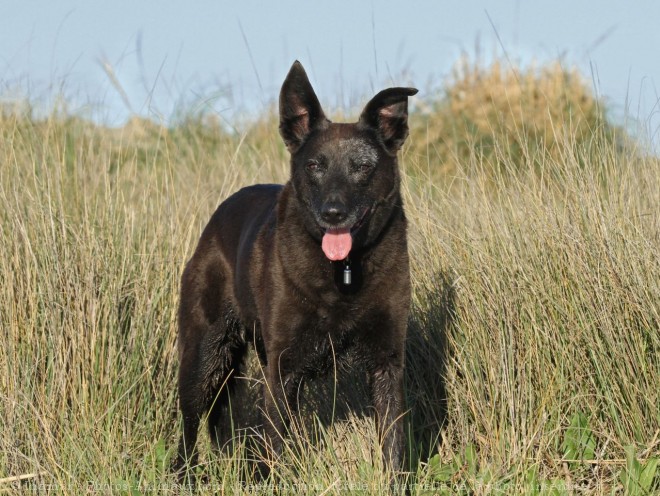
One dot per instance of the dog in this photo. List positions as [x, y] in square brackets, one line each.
[309, 272]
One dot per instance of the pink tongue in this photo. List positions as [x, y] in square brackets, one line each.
[337, 243]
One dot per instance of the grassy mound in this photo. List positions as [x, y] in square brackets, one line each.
[507, 116]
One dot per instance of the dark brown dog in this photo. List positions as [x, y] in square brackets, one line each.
[309, 271]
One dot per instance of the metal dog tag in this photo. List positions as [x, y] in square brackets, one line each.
[347, 275]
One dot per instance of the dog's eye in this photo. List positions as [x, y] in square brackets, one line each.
[364, 167]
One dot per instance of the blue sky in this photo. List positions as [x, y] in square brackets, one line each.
[231, 57]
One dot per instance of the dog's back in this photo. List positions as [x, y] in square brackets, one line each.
[221, 262]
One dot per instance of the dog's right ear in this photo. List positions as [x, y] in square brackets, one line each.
[300, 110]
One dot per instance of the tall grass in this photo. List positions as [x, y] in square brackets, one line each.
[533, 350]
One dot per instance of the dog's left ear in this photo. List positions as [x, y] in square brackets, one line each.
[387, 113]
[300, 110]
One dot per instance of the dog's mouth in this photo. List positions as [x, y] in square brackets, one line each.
[338, 241]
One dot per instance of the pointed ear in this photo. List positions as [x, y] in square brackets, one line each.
[300, 110]
[387, 113]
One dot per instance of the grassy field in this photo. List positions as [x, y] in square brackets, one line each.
[534, 343]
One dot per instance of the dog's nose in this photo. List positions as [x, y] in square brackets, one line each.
[333, 212]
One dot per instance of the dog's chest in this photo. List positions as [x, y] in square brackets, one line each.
[326, 342]
[329, 312]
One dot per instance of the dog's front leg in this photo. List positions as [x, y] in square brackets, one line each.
[386, 383]
[281, 404]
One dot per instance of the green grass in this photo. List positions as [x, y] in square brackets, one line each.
[534, 343]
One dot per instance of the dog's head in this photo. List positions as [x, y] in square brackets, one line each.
[345, 176]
